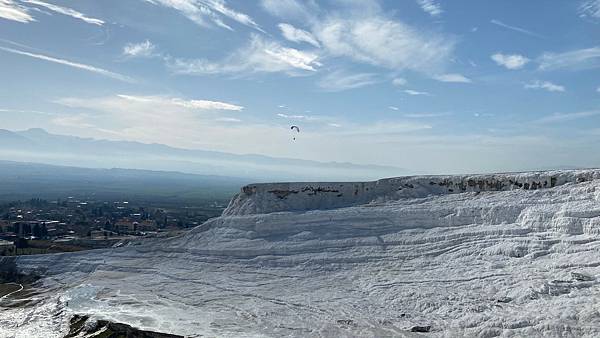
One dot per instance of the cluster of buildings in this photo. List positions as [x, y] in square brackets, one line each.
[75, 221]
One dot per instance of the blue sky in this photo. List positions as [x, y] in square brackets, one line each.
[430, 86]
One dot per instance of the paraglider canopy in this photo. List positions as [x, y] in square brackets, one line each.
[296, 129]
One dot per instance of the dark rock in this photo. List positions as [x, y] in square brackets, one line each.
[345, 321]
[420, 329]
[581, 277]
[283, 194]
[106, 329]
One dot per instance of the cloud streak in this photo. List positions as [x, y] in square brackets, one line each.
[452, 77]
[288, 9]
[228, 119]
[416, 92]
[66, 11]
[340, 81]
[259, 55]
[590, 8]
[425, 115]
[72, 64]
[576, 59]
[10, 10]
[516, 29]
[545, 85]
[563, 117]
[178, 102]
[300, 117]
[294, 34]
[430, 7]
[205, 12]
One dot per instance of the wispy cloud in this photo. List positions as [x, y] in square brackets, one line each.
[425, 115]
[178, 102]
[453, 77]
[141, 49]
[205, 12]
[289, 9]
[415, 92]
[375, 39]
[394, 108]
[576, 59]
[399, 81]
[362, 32]
[590, 8]
[66, 11]
[431, 7]
[162, 118]
[294, 34]
[12, 11]
[25, 111]
[545, 85]
[73, 121]
[88, 68]
[259, 55]
[510, 61]
[515, 28]
[300, 117]
[562, 117]
[341, 80]
[384, 128]
[228, 119]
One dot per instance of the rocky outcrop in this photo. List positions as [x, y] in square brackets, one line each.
[84, 327]
[276, 197]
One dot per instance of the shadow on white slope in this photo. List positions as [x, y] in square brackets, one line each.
[486, 256]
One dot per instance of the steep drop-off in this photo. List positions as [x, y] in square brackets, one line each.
[273, 197]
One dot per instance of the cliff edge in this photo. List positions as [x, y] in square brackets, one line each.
[302, 196]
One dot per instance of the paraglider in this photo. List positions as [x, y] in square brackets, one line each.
[296, 129]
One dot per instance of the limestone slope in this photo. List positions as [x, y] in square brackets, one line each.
[499, 255]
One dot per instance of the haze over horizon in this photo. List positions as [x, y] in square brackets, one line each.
[425, 85]
[38, 146]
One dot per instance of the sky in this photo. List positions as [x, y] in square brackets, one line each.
[427, 85]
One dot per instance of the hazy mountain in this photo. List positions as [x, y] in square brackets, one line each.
[37, 145]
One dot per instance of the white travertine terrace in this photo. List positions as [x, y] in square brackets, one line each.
[509, 255]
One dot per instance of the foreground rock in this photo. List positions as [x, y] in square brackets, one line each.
[493, 259]
[83, 327]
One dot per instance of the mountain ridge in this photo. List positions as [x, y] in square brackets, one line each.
[28, 143]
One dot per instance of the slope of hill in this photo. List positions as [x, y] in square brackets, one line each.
[498, 259]
[37, 145]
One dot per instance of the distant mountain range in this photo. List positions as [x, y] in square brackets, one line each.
[39, 146]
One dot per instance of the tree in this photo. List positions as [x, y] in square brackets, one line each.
[21, 243]
[40, 231]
